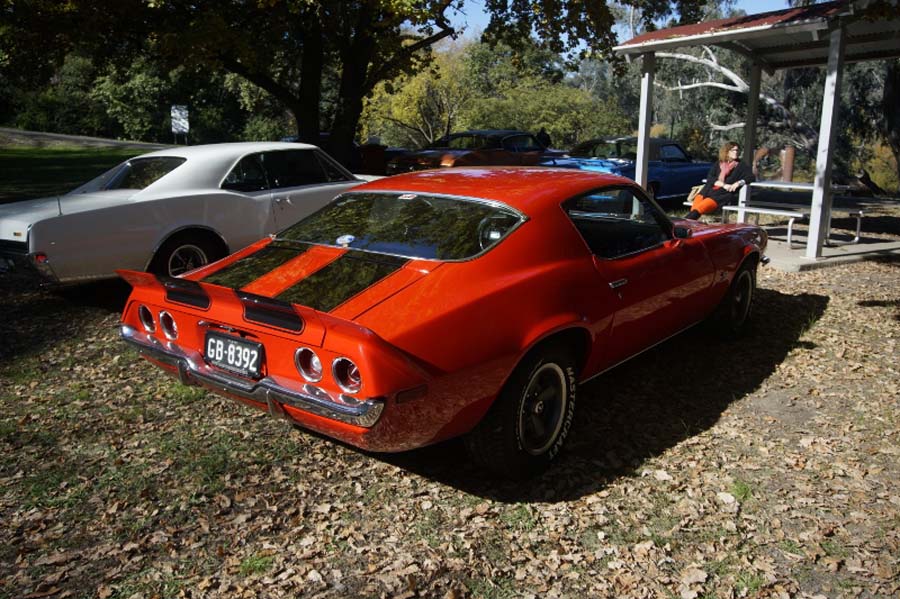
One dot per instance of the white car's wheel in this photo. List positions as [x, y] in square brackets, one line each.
[182, 254]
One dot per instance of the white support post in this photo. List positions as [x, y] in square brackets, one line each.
[648, 69]
[743, 197]
[820, 217]
[752, 114]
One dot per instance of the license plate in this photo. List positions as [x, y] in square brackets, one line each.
[234, 354]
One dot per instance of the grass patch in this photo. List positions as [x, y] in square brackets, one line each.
[791, 547]
[519, 517]
[256, 564]
[38, 172]
[741, 490]
[185, 394]
[485, 588]
[203, 461]
[749, 584]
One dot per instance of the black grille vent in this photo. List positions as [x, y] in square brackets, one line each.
[15, 247]
[182, 291]
[268, 311]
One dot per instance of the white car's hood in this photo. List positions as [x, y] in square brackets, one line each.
[16, 217]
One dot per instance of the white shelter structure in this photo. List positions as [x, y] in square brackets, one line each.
[830, 34]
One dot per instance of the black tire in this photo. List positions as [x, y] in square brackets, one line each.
[528, 424]
[184, 252]
[732, 316]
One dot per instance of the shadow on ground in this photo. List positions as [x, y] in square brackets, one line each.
[644, 407]
[33, 320]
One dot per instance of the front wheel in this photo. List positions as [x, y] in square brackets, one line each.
[527, 425]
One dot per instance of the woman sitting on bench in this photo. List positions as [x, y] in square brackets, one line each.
[724, 180]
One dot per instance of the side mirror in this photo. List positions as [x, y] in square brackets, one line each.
[682, 232]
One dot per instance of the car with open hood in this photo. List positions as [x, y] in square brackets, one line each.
[456, 302]
[168, 211]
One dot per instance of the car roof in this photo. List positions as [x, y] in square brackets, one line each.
[234, 149]
[525, 188]
[206, 165]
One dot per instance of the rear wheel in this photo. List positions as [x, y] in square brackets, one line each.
[527, 425]
[183, 253]
[732, 316]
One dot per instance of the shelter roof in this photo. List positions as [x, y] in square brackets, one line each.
[793, 37]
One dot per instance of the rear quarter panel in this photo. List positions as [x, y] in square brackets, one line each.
[469, 323]
[92, 244]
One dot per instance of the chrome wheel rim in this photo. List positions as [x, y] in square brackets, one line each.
[185, 258]
[542, 409]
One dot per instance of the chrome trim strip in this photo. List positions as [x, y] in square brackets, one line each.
[192, 370]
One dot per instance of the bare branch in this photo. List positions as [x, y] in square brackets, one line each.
[682, 87]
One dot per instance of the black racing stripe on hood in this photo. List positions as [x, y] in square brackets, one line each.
[249, 268]
[335, 283]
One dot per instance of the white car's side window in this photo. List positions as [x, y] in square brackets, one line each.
[247, 175]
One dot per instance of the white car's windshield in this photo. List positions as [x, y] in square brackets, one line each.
[136, 173]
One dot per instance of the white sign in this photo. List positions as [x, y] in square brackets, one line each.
[179, 119]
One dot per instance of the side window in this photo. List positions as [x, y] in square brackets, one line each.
[247, 175]
[617, 222]
[521, 143]
[293, 168]
[465, 142]
[332, 170]
[673, 153]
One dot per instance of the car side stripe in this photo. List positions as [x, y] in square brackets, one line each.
[335, 283]
[246, 270]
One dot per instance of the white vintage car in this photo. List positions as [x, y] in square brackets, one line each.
[168, 211]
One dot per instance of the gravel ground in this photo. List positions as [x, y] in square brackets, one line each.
[766, 467]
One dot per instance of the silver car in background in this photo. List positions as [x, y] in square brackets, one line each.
[168, 211]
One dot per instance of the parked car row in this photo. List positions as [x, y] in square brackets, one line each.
[671, 170]
[404, 311]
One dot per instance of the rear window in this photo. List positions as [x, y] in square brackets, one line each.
[409, 225]
[141, 172]
[137, 173]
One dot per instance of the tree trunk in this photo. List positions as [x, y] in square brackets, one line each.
[356, 53]
[311, 66]
[891, 104]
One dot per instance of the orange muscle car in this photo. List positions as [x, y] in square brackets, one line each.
[425, 306]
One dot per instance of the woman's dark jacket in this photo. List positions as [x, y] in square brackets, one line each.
[722, 197]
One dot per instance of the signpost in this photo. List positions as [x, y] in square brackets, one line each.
[180, 121]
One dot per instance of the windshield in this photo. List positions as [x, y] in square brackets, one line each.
[137, 173]
[409, 225]
[616, 148]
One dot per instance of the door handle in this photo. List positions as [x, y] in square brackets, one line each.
[283, 200]
[618, 283]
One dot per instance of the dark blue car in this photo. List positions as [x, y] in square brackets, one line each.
[671, 171]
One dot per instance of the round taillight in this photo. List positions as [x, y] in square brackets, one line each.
[308, 364]
[347, 375]
[146, 317]
[168, 326]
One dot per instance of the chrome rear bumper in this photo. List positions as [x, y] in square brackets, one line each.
[193, 370]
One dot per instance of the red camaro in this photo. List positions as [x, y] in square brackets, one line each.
[467, 302]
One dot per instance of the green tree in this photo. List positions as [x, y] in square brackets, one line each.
[415, 110]
[286, 46]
